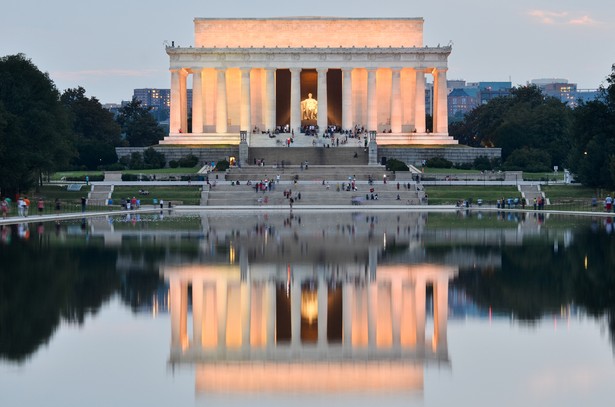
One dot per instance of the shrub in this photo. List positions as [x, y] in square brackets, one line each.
[222, 165]
[113, 167]
[528, 159]
[482, 163]
[396, 165]
[173, 164]
[130, 177]
[153, 158]
[439, 162]
[188, 161]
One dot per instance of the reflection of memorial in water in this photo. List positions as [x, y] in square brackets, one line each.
[308, 328]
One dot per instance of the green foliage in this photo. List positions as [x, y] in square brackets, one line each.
[483, 163]
[222, 165]
[173, 164]
[139, 127]
[153, 159]
[188, 161]
[35, 135]
[528, 159]
[130, 177]
[525, 119]
[439, 162]
[592, 157]
[396, 165]
[96, 132]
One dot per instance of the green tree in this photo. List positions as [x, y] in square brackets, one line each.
[592, 157]
[525, 119]
[35, 135]
[139, 127]
[96, 132]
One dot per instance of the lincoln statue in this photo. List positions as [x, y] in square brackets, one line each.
[309, 108]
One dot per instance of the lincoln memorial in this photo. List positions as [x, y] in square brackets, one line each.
[292, 74]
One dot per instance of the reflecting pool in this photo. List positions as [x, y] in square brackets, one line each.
[232, 309]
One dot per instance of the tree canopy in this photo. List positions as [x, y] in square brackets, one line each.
[96, 131]
[139, 127]
[35, 135]
[592, 156]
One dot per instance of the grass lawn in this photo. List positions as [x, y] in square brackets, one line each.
[441, 195]
[187, 195]
[81, 174]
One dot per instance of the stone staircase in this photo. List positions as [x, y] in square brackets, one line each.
[529, 192]
[314, 193]
[313, 155]
[100, 194]
[313, 173]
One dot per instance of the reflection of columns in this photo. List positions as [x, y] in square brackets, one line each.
[372, 307]
[322, 118]
[197, 100]
[270, 114]
[347, 99]
[440, 314]
[419, 111]
[221, 297]
[372, 259]
[271, 313]
[347, 314]
[183, 98]
[295, 99]
[246, 302]
[419, 298]
[210, 316]
[221, 115]
[440, 95]
[245, 110]
[322, 311]
[295, 312]
[396, 101]
[175, 113]
[372, 112]
[179, 313]
[197, 313]
[396, 304]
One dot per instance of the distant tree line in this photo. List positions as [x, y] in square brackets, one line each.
[43, 130]
[537, 132]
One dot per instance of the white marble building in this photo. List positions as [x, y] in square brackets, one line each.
[252, 74]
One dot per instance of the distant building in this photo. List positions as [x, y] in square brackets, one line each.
[159, 100]
[564, 91]
[464, 97]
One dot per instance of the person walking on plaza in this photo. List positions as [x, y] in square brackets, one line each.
[83, 203]
[608, 203]
[26, 206]
[4, 207]
[40, 205]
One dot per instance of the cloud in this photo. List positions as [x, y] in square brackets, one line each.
[103, 73]
[561, 18]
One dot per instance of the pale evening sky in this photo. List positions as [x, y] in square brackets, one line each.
[111, 47]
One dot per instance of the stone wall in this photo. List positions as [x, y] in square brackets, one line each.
[204, 154]
[457, 155]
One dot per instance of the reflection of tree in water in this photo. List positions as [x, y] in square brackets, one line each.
[41, 287]
[44, 284]
[536, 280]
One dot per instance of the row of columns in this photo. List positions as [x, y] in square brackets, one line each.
[179, 116]
[240, 314]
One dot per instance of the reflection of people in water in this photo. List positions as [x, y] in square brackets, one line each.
[309, 108]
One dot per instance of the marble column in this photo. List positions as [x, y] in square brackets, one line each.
[183, 99]
[441, 113]
[179, 313]
[372, 312]
[175, 113]
[419, 301]
[246, 301]
[322, 118]
[347, 98]
[221, 307]
[197, 100]
[245, 111]
[271, 313]
[347, 291]
[396, 100]
[270, 107]
[221, 109]
[419, 111]
[372, 103]
[295, 99]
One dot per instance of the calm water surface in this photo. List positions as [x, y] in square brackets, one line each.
[362, 308]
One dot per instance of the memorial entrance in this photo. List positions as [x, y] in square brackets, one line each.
[297, 75]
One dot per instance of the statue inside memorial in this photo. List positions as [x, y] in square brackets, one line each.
[309, 108]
